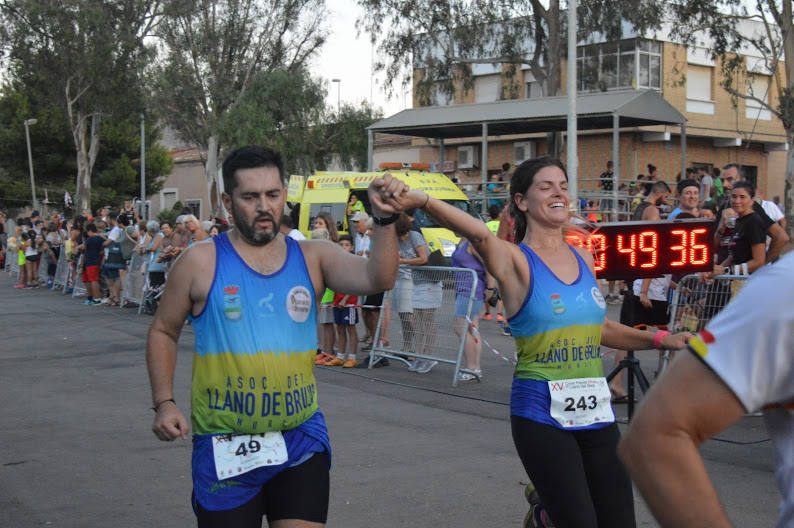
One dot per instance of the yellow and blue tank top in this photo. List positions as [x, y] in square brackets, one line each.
[557, 332]
[256, 339]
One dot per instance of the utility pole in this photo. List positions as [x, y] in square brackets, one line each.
[144, 213]
[34, 202]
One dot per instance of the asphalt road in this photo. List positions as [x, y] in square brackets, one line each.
[409, 450]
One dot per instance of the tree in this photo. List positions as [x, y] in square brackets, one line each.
[117, 167]
[442, 39]
[284, 110]
[86, 54]
[720, 20]
[287, 111]
[211, 51]
[345, 135]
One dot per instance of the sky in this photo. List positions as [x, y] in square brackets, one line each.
[348, 58]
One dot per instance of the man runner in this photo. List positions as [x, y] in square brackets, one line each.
[742, 362]
[260, 445]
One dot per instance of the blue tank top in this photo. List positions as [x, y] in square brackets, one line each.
[558, 336]
[256, 340]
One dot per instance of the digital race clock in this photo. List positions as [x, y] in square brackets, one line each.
[635, 250]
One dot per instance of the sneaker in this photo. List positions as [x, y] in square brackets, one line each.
[350, 363]
[88, 302]
[96, 302]
[426, 367]
[506, 330]
[500, 318]
[19, 286]
[486, 317]
[321, 358]
[465, 376]
[334, 362]
[536, 517]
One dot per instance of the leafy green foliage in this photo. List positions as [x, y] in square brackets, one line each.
[52, 149]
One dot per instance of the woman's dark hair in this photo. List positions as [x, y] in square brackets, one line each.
[250, 157]
[123, 220]
[522, 179]
[745, 185]
[682, 216]
[402, 225]
[651, 168]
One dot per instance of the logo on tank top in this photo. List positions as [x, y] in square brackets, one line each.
[299, 304]
[232, 306]
[598, 298]
[557, 305]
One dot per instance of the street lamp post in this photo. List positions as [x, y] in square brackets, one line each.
[29, 122]
[338, 94]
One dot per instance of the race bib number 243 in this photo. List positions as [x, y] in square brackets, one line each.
[581, 402]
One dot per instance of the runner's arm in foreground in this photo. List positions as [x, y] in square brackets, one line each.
[341, 271]
[682, 410]
[180, 296]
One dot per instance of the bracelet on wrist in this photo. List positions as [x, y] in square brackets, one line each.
[387, 220]
[156, 407]
[427, 200]
[658, 336]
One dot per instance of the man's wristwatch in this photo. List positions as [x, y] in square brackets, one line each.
[386, 220]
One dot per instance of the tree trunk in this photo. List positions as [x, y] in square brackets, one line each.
[788, 188]
[554, 80]
[211, 173]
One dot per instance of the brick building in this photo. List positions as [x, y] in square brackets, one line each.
[720, 130]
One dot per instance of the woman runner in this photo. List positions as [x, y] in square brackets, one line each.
[562, 421]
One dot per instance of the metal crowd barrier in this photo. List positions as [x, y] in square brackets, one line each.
[78, 288]
[12, 264]
[134, 281]
[422, 316]
[62, 269]
[697, 300]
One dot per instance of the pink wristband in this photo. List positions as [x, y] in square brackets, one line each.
[658, 336]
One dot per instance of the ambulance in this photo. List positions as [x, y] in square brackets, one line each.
[330, 192]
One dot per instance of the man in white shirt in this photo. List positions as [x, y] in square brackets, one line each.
[287, 229]
[743, 361]
[706, 183]
[362, 242]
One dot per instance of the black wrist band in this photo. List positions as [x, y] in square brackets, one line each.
[386, 220]
[157, 407]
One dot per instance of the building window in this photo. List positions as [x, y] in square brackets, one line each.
[168, 197]
[532, 90]
[487, 88]
[195, 207]
[626, 64]
[698, 90]
[758, 86]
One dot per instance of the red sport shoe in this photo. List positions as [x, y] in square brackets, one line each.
[500, 318]
[486, 317]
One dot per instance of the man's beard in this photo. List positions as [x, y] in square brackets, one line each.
[249, 232]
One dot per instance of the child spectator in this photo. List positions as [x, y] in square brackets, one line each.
[22, 241]
[346, 318]
[92, 258]
[31, 259]
[325, 316]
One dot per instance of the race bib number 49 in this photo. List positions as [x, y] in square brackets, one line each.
[581, 402]
[238, 454]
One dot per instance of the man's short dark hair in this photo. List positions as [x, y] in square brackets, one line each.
[91, 228]
[250, 157]
[609, 164]
[660, 187]
[123, 220]
[505, 167]
[683, 184]
[739, 170]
